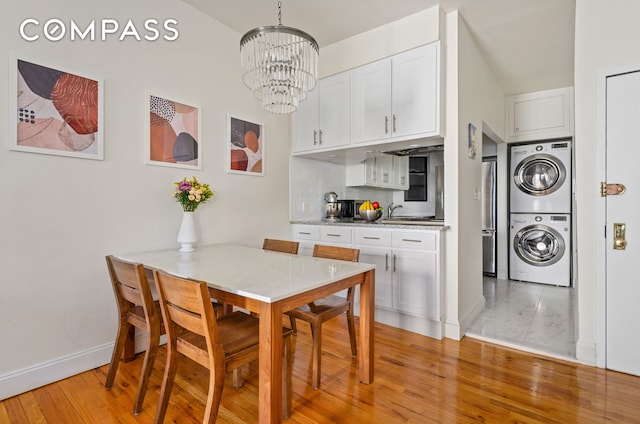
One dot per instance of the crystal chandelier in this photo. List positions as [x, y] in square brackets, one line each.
[279, 64]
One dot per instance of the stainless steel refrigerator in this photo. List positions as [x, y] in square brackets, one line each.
[489, 216]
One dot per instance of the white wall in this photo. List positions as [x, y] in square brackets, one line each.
[404, 34]
[606, 37]
[473, 96]
[61, 216]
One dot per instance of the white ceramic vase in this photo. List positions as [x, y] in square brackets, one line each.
[188, 234]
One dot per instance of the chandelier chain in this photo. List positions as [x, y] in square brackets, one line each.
[279, 13]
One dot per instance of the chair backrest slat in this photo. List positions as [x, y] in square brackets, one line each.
[185, 319]
[284, 246]
[338, 253]
[131, 286]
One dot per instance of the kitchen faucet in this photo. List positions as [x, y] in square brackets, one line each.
[392, 208]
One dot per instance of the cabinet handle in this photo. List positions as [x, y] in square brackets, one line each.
[315, 137]
[386, 262]
[334, 235]
[319, 136]
[371, 238]
[394, 263]
[412, 240]
[386, 124]
[394, 122]
[403, 180]
[305, 233]
[385, 177]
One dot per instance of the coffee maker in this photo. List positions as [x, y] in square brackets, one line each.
[331, 207]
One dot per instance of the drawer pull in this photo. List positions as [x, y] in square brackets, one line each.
[304, 232]
[371, 238]
[333, 235]
[412, 240]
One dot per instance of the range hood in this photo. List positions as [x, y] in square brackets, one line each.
[416, 151]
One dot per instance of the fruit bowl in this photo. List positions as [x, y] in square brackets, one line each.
[370, 215]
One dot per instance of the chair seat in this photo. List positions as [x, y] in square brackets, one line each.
[229, 326]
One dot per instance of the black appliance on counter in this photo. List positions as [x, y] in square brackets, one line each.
[350, 209]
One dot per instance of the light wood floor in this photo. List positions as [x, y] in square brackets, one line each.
[417, 380]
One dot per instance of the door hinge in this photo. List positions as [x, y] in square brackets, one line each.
[611, 189]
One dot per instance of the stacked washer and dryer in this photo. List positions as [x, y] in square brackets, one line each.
[540, 213]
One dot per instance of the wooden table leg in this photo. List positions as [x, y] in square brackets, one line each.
[367, 310]
[270, 378]
[129, 351]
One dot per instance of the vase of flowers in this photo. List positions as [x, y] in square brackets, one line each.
[190, 194]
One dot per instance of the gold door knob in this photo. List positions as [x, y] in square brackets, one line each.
[619, 239]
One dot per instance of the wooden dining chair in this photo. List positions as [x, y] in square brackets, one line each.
[321, 310]
[219, 345]
[136, 308]
[284, 246]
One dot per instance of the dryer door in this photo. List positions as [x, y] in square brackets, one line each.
[539, 174]
[539, 245]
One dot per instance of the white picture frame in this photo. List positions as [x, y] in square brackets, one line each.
[245, 146]
[55, 110]
[173, 132]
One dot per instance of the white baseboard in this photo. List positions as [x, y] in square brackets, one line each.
[471, 315]
[452, 330]
[457, 330]
[20, 381]
[586, 353]
[26, 379]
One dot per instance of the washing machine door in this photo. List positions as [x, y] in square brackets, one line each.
[539, 174]
[539, 245]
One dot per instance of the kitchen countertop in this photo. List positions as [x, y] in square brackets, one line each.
[428, 225]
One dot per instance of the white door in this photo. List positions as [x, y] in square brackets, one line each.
[622, 281]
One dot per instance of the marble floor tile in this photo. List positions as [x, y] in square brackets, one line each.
[528, 315]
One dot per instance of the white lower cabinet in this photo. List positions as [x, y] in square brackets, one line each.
[408, 283]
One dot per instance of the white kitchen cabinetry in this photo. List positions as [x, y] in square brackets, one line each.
[397, 97]
[323, 120]
[408, 281]
[309, 235]
[416, 273]
[401, 172]
[383, 171]
[540, 115]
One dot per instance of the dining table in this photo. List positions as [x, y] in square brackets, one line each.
[268, 284]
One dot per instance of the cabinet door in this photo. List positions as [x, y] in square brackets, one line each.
[416, 283]
[334, 108]
[384, 171]
[543, 114]
[371, 102]
[416, 94]
[380, 257]
[401, 172]
[304, 123]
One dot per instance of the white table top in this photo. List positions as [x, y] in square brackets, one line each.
[250, 272]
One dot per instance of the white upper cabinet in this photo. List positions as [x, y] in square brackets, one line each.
[382, 171]
[322, 120]
[398, 97]
[371, 101]
[540, 115]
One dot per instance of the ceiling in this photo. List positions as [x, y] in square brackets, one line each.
[529, 44]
